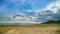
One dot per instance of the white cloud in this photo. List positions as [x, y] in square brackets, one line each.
[50, 12]
[29, 10]
[54, 8]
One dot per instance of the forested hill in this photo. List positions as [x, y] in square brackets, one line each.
[52, 22]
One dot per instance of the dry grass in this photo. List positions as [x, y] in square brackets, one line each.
[33, 29]
[57, 31]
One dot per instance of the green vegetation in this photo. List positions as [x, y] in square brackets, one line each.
[52, 22]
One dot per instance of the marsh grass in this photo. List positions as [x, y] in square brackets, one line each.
[32, 29]
[57, 31]
[1, 32]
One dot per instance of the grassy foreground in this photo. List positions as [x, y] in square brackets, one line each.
[32, 29]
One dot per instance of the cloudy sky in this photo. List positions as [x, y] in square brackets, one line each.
[29, 11]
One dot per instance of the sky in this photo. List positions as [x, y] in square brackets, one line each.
[13, 6]
[32, 11]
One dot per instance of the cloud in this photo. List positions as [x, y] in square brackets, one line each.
[54, 8]
[50, 12]
[22, 17]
